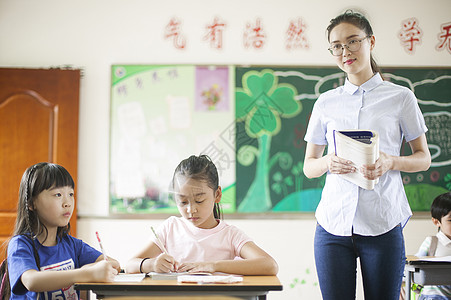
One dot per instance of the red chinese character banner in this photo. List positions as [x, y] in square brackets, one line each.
[255, 37]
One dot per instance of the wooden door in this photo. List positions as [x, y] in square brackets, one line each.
[38, 122]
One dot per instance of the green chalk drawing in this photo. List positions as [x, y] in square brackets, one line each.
[421, 195]
[448, 181]
[261, 104]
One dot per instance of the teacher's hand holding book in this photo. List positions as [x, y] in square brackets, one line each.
[338, 165]
[374, 171]
[361, 149]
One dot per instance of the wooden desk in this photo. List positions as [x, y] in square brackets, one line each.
[426, 273]
[252, 287]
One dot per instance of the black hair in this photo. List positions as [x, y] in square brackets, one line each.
[5, 289]
[358, 20]
[441, 206]
[200, 168]
[37, 178]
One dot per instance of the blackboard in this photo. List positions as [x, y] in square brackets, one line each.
[256, 131]
[285, 188]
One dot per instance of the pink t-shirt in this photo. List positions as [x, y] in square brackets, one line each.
[188, 243]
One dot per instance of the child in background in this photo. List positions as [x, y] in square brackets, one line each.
[438, 245]
[199, 241]
[41, 241]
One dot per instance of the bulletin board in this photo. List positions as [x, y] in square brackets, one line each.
[161, 115]
[251, 121]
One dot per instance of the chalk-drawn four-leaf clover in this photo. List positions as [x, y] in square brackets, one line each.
[262, 101]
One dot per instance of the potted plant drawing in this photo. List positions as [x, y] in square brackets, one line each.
[260, 104]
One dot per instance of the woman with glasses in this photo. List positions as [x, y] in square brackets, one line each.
[354, 222]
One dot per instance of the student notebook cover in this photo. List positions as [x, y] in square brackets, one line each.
[362, 148]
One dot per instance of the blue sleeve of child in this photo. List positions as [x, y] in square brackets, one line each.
[20, 259]
[85, 253]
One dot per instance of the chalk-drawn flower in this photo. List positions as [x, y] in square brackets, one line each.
[262, 101]
[260, 104]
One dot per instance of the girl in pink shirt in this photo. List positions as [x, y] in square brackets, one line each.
[199, 241]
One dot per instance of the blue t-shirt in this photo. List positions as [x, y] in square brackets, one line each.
[69, 253]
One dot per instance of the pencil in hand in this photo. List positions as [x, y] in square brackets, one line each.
[101, 247]
[159, 242]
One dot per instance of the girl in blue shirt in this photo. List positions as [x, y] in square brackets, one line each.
[41, 241]
[354, 222]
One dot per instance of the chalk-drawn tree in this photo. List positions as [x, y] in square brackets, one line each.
[260, 104]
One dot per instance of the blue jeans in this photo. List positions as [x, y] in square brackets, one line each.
[382, 261]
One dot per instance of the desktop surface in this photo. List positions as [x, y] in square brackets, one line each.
[251, 286]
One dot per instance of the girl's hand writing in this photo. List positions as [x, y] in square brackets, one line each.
[382, 165]
[115, 264]
[102, 271]
[165, 263]
[337, 165]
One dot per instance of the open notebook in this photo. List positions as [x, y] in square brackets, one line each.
[210, 279]
[173, 275]
[199, 277]
[122, 277]
[439, 259]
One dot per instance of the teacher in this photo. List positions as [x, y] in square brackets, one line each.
[354, 222]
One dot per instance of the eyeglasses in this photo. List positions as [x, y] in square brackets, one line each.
[352, 45]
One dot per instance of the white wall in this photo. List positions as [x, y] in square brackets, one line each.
[94, 34]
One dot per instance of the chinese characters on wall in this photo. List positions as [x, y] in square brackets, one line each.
[255, 37]
[411, 36]
[445, 37]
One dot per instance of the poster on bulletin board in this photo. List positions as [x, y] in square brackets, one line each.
[251, 121]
